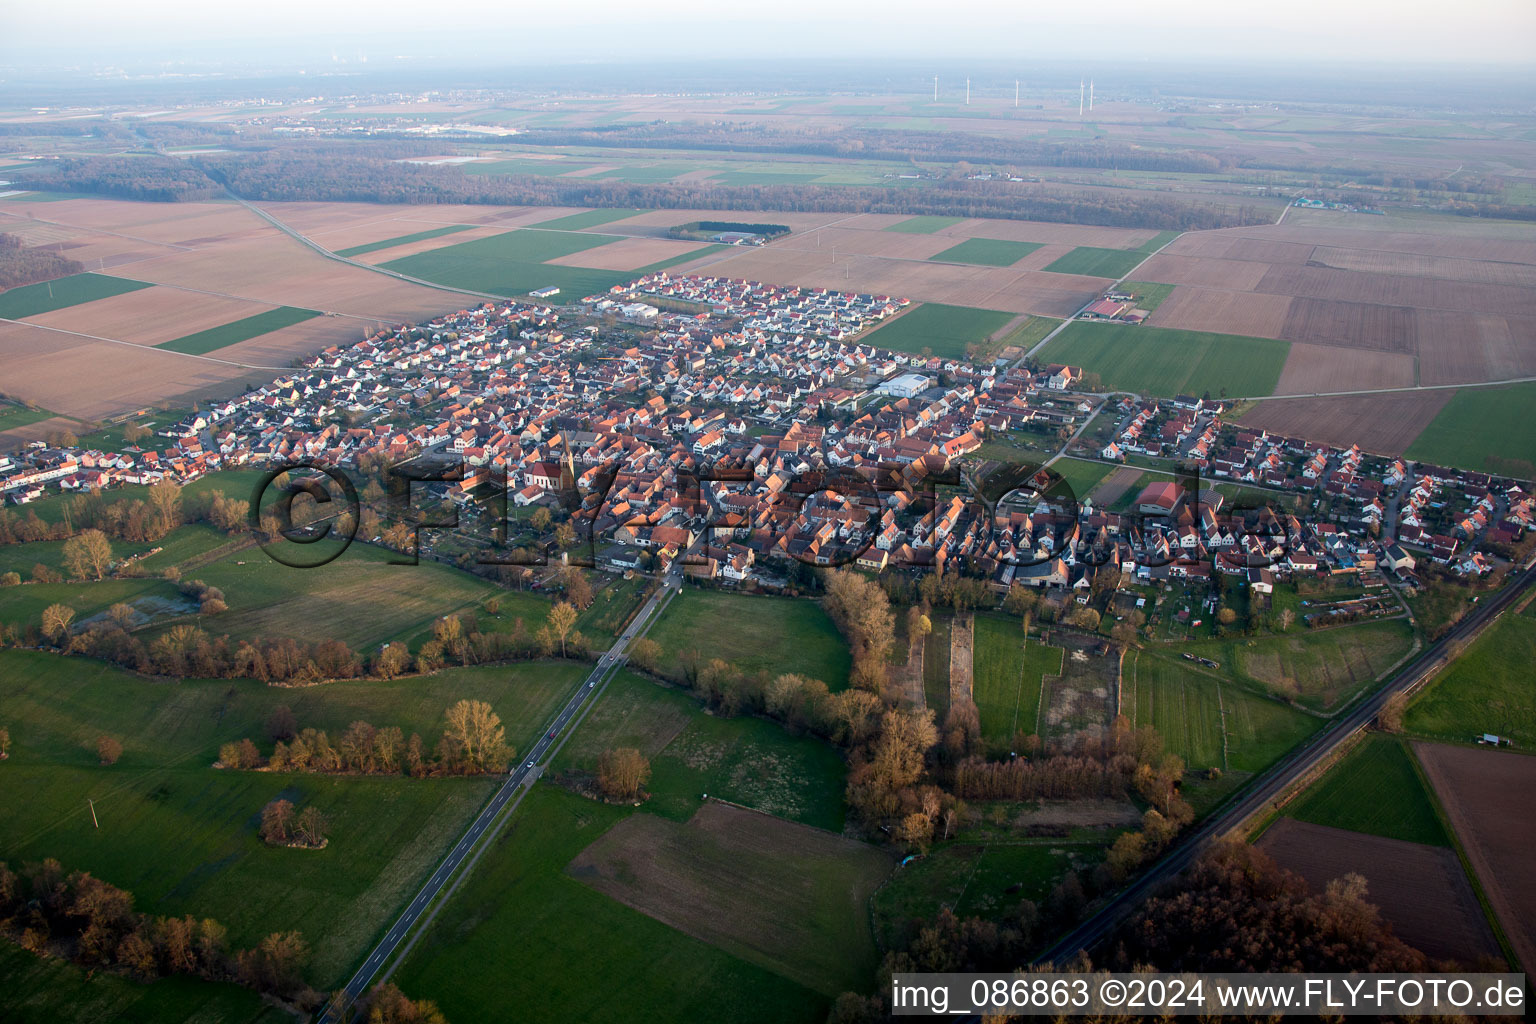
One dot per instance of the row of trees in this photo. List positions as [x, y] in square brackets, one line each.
[138, 520]
[187, 650]
[144, 177]
[94, 923]
[473, 742]
[285, 175]
[25, 264]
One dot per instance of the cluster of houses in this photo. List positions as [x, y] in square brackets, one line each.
[763, 428]
[1441, 513]
[779, 309]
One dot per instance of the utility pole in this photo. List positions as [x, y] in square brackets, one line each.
[94, 822]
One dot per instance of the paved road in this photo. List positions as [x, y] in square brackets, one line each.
[1296, 765]
[490, 819]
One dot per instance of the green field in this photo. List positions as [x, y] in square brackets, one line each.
[14, 416]
[1185, 707]
[32, 299]
[987, 252]
[513, 264]
[1091, 261]
[417, 236]
[1319, 669]
[1375, 789]
[181, 835]
[359, 598]
[48, 990]
[944, 330]
[523, 933]
[771, 635]
[1164, 361]
[1149, 295]
[924, 225]
[1489, 688]
[749, 761]
[1080, 475]
[1487, 429]
[1006, 679]
[973, 879]
[1029, 333]
[239, 330]
[590, 219]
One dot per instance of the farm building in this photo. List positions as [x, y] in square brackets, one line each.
[545, 292]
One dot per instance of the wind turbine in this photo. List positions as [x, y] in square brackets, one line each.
[1090, 95]
[1079, 97]
[935, 88]
[967, 92]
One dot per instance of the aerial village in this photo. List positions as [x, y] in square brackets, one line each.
[754, 432]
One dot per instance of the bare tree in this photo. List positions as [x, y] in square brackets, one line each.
[108, 749]
[476, 730]
[562, 619]
[5, 743]
[56, 620]
[621, 772]
[276, 820]
[88, 554]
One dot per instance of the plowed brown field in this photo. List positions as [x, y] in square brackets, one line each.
[1313, 368]
[1487, 795]
[1383, 424]
[150, 316]
[1421, 890]
[1351, 325]
[1225, 312]
[1236, 275]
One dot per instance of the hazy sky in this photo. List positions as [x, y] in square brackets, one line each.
[280, 31]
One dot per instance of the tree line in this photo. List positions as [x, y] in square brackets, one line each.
[161, 179]
[92, 923]
[26, 264]
[280, 176]
[474, 742]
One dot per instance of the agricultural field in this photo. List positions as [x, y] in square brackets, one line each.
[14, 417]
[237, 331]
[791, 899]
[359, 598]
[32, 299]
[1487, 689]
[1080, 475]
[1166, 362]
[1384, 424]
[974, 878]
[771, 635]
[1485, 429]
[924, 225]
[58, 992]
[1207, 724]
[989, 252]
[943, 330]
[1318, 669]
[754, 762]
[1149, 294]
[390, 243]
[1007, 679]
[1092, 261]
[522, 907]
[512, 263]
[1421, 890]
[1374, 789]
[589, 219]
[1485, 794]
[181, 835]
